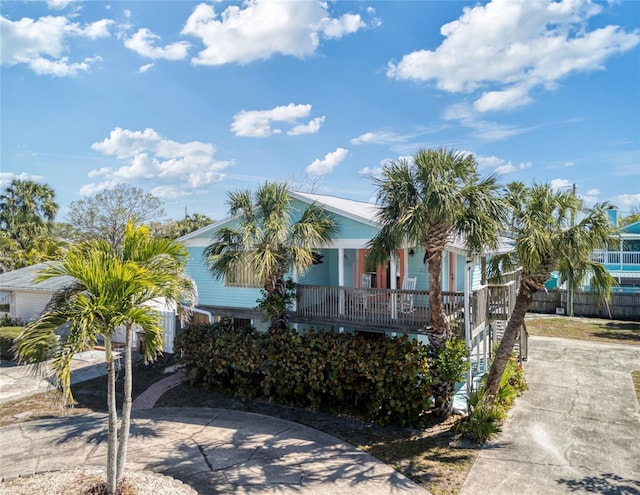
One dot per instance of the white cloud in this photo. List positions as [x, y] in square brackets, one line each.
[143, 41]
[150, 158]
[96, 187]
[258, 123]
[338, 27]
[506, 48]
[145, 68]
[482, 129]
[591, 197]
[42, 44]
[626, 200]
[258, 29]
[499, 165]
[328, 163]
[371, 171]
[58, 4]
[560, 184]
[6, 177]
[380, 137]
[312, 127]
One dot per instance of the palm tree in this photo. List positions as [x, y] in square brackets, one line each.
[423, 202]
[27, 210]
[268, 242]
[546, 240]
[111, 290]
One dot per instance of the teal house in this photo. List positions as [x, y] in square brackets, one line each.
[622, 256]
[339, 291]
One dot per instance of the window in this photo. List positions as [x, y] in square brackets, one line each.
[5, 302]
[242, 277]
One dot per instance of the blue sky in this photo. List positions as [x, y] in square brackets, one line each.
[189, 100]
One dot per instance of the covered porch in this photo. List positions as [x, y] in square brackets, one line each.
[382, 309]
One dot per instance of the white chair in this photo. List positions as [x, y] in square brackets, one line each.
[365, 283]
[405, 303]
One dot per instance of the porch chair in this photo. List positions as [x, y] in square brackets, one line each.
[405, 304]
[365, 283]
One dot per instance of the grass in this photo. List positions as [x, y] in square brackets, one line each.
[636, 383]
[609, 331]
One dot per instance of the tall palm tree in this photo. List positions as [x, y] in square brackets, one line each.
[546, 240]
[27, 210]
[111, 289]
[423, 202]
[269, 241]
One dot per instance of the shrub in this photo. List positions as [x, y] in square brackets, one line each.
[384, 380]
[483, 421]
[8, 335]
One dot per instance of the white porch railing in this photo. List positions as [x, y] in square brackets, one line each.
[621, 258]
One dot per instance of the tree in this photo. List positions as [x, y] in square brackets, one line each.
[173, 229]
[546, 240]
[27, 210]
[112, 289]
[423, 202]
[268, 242]
[106, 214]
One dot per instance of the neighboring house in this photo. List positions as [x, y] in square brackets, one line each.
[622, 258]
[340, 291]
[23, 298]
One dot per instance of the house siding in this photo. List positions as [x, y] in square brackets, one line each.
[29, 305]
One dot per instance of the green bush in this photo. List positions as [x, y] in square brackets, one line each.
[7, 338]
[384, 380]
[484, 421]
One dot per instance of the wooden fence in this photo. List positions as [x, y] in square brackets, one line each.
[622, 305]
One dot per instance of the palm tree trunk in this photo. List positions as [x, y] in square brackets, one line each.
[439, 332]
[112, 429]
[523, 302]
[437, 319]
[125, 421]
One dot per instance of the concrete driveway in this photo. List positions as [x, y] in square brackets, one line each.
[214, 451]
[576, 430]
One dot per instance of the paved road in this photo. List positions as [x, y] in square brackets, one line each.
[576, 430]
[212, 450]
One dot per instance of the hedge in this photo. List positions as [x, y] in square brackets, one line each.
[7, 336]
[385, 380]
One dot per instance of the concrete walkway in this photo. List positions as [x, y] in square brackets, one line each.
[576, 430]
[17, 382]
[212, 450]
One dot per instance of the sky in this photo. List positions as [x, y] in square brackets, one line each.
[191, 100]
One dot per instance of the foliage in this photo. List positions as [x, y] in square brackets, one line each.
[427, 199]
[279, 303]
[383, 379]
[173, 229]
[484, 418]
[113, 285]
[7, 337]
[547, 237]
[451, 361]
[27, 210]
[268, 241]
[106, 214]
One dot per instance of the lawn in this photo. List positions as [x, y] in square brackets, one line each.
[610, 331]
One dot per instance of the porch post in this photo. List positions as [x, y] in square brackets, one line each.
[341, 279]
[467, 322]
[294, 277]
[393, 285]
